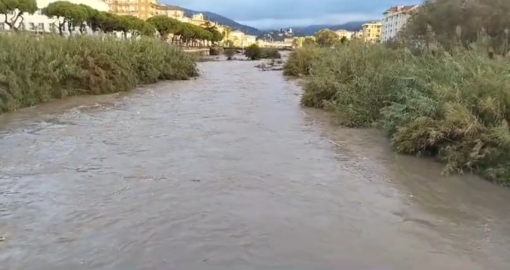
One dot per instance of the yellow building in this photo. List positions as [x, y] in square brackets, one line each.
[142, 9]
[237, 38]
[372, 32]
[249, 40]
[240, 39]
[344, 33]
[170, 11]
[198, 19]
[358, 34]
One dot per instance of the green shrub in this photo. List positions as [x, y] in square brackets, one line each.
[454, 106]
[254, 52]
[38, 69]
[270, 53]
[300, 61]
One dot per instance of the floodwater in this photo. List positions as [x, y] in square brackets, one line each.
[228, 172]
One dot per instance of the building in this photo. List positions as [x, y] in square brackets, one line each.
[344, 33]
[198, 19]
[170, 11]
[357, 34]
[394, 19]
[142, 9]
[371, 32]
[39, 22]
[237, 38]
[237, 34]
[249, 40]
[288, 40]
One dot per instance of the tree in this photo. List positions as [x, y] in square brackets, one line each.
[13, 11]
[70, 15]
[105, 21]
[452, 21]
[76, 18]
[143, 28]
[73, 17]
[165, 25]
[60, 10]
[217, 36]
[90, 15]
[343, 40]
[135, 26]
[326, 38]
[226, 33]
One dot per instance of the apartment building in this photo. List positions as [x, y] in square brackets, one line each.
[394, 19]
[38, 22]
[142, 9]
[371, 32]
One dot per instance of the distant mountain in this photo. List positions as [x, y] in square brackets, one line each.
[311, 29]
[224, 21]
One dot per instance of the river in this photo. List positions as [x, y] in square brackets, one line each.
[228, 172]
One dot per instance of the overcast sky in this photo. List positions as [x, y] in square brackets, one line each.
[282, 13]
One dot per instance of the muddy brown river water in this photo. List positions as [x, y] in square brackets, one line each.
[228, 172]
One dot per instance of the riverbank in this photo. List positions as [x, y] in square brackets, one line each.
[430, 102]
[36, 70]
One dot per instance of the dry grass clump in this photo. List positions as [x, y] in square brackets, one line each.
[452, 105]
[38, 69]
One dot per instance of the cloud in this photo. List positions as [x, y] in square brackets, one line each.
[280, 13]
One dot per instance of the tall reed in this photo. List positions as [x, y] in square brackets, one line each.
[453, 105]
[35, 69]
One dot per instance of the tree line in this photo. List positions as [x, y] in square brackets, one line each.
[79, 18]
[323, 38]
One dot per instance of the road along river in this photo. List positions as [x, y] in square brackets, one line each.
[228, 172]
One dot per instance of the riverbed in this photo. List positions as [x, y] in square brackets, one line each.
[228, 171]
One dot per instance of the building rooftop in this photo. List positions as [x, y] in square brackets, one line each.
[400, 9]
[373, 23]
[166, 7]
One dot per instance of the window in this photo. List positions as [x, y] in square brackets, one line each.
[2, 26]
[40, 27]
[31, 26]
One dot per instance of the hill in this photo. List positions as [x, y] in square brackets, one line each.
[224, 21]
[280, 34]
[311, 29]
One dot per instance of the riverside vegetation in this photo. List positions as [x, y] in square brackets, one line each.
[434, 91]
[38, 68]
[35, 70]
